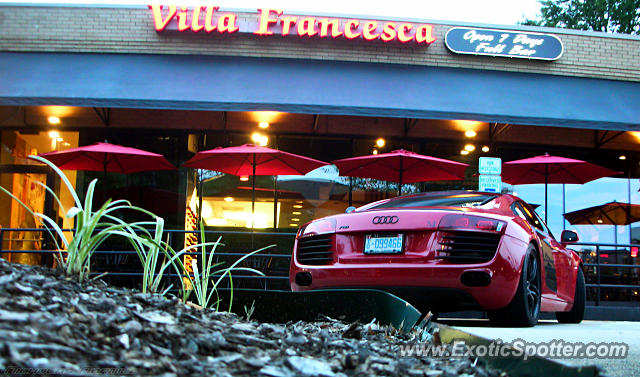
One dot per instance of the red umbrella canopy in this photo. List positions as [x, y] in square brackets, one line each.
[401, 166]
[552, 169]
[108, 158]
[244, 159]
[613, 213]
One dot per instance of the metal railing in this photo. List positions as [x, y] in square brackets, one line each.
[592, 255]
[281, 253]
[242, 242]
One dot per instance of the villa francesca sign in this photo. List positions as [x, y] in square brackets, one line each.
[208, 19]
[503, 43]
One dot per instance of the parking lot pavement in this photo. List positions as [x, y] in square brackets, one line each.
[585, 332]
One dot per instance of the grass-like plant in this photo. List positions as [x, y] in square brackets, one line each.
[202, 284]
[93, 227]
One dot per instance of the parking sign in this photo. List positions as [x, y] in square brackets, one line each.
[490, 165]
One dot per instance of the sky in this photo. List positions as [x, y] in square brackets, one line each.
[501, 12]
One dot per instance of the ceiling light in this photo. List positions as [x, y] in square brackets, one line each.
[228, 199]
[263, 125]
[470, 133]
[293, 225]
[375, 151]
[297, 206]
[464, 152]
[295, 219]
[622, 157]
[470, 147]
[54, 134]
[296, 213]
[485, 149]
[53, 120]
[259, 139]
[244, 178]
[380, 142]
[599, 221]
[59, 139]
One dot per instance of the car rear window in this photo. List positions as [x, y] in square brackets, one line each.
[456, 200]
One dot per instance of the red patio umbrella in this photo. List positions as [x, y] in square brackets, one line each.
[110, 158]
[250, 159]
[552, 169]
[401, 166]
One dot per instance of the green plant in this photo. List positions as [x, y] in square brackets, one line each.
[249, 311]
[201, 283]
[92, 227]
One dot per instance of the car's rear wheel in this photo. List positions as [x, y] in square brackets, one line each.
[576, 314]
[524, 308]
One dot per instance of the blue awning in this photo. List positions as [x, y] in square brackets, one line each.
[188, 82]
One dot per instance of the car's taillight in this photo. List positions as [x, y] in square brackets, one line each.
[322, 226]
[466, 222]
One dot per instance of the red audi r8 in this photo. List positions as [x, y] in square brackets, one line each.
[447, 251]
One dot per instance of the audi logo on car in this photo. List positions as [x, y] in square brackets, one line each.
[385, 220]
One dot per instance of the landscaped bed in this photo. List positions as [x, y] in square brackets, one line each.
[54, 325]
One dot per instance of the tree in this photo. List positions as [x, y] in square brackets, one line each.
[615, 16]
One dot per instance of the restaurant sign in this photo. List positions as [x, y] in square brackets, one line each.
[208, 19]
[509, 44]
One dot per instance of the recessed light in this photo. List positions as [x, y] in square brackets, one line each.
[295, 219]
[244, 178]
[228, 199]
[263, 125]
[297, 206]
[464, 152]
[53, 120]
[375, 151]
[293, 225]
[470, 133]
[485, 149]
[470, 147]
[380, 142]
[54, 134]
[296, 213]
[622, 157]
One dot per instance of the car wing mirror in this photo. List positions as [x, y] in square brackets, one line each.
[350, 209]
[569, 236]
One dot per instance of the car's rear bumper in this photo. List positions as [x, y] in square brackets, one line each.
[436, 286]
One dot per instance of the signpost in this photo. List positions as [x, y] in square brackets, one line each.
[490, 169]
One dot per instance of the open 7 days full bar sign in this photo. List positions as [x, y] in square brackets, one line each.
[208, 19]
[510, 44]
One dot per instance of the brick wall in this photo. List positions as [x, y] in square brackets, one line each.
[131, 30]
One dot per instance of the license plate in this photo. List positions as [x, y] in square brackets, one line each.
[387, 244]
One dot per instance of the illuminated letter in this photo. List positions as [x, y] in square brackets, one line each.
[368, 29]
[424, 34]
[182, 19]
[157, 16]
[402, 33]
[307, 26]
[208, 19]
[195, 21]
[265, 20]
[287, 22]
[348, 29]
[227, 23]
[325, 23]
[389, 32]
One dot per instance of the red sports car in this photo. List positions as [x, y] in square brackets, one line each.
[447, 251]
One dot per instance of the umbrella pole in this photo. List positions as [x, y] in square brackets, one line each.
[200, 195]
[400, 182]
[253, 199]
[275, 201]
[350, 191]
[546, 183]
[564, 221]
